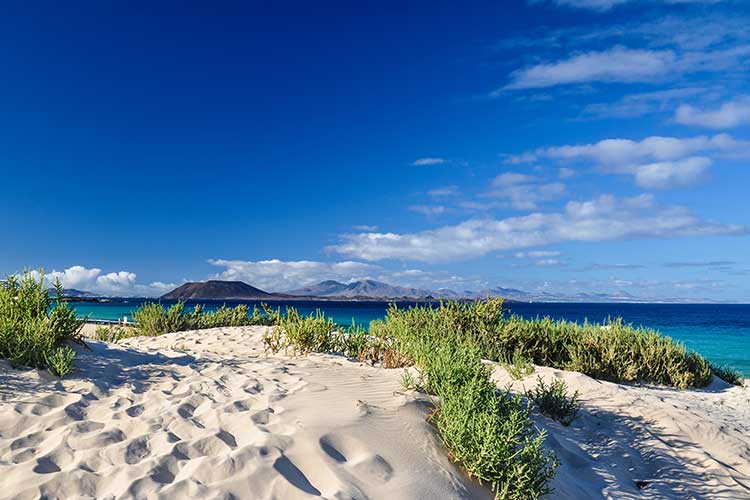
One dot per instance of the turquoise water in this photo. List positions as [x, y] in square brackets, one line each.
[721, 332]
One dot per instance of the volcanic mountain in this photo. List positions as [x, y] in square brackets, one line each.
[220, 290]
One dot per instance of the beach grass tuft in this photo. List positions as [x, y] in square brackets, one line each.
[112, 333]
[554, 401]
[518, 366]
[34, 327]
[728, 375]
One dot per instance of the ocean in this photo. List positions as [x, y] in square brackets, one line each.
[720, 332]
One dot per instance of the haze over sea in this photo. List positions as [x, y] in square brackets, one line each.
[720, 332]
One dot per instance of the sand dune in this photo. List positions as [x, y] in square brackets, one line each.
[208, 415]
[647, 442]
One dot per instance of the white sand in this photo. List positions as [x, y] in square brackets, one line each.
[208, 415]
[688, 444]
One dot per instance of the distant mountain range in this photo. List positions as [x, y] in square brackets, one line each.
[376, 290]
[365, 290]
[72, 293]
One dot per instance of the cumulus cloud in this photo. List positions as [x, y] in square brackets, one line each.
[121, 280]
[280, 275]
[428, 161]
[113, 283]
[625, 151]
[666, 174]
[604, 218]
[730, 114]
[524, 192]
[365, 227]
[654, 162]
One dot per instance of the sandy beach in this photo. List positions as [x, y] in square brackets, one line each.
[207, 414]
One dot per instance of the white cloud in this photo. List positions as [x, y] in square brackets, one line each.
[730, 114]
[537, 254]
[639, 104]
[667, 174]
[598, 5]
[122, 283]
[624, 65]
[602, 219]
[429, 210]
[548, 263]
[605, 5]
[428, 161]
[655, 161]
[365, 227]
[524, 192]
[118, 281]
[280, 275]
[77, 277]
[618, 64]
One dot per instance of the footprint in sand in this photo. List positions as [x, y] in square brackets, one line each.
[137, 450]
[357, 456]
[134, 411]
[45, 465]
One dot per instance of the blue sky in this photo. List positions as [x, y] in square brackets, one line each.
[560, 145]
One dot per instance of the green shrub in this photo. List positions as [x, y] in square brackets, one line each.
[34, 327]
[728, 374]
[153, 319]
[305, 334]
[354, 342]
[518, 366]
[613, 351]
[408, 381]
[554, 401]
[488, 433]
[112, 334]
[60, 361]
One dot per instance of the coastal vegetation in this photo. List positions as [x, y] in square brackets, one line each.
[615, 351]
[488, 432]
[729, 375]
[154, 319]
[554, 401]
[518, 366]
[34, 327]
[112, 333]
